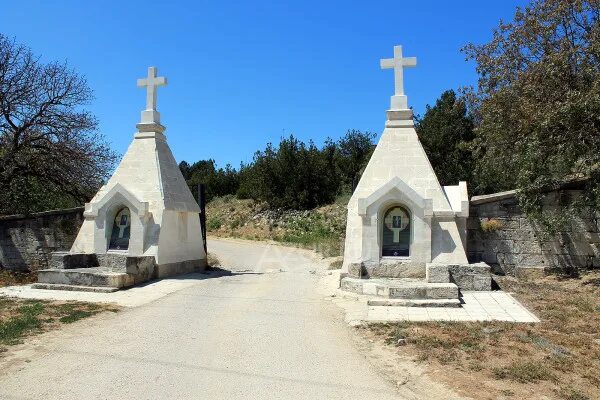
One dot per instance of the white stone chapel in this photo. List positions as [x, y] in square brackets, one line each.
[400, 219]
[144, 222]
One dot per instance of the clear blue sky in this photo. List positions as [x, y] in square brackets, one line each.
[242, 74]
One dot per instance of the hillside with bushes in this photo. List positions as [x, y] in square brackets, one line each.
[321, 228]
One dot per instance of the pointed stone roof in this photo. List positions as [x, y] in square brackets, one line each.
[149, 171]
[399, 155]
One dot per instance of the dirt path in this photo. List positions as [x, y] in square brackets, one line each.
[265, 332]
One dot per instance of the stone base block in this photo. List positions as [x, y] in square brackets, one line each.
[111, 270]
[179, 268]
[466, 276]
[86, 277]
[400, 288]
[471, 276]
[437, 273]
[387, 269]
[114, 261]
[142, 268]
[66, 260]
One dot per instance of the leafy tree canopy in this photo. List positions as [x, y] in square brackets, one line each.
[537, 104]
[218, 182]
[446, 130]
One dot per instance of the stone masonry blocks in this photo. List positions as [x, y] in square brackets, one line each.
[466, 276]
[517, 248]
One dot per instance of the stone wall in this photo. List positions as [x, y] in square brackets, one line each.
[27, 241]
[516, 246]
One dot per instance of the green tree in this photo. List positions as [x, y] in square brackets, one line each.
[353, 152]
[538, 103]
[446, 130]
[218, 182]
[293, 175]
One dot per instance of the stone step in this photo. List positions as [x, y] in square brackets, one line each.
[400, 288]
[116, 261]
[415, 302]
[94, 277]
[74, 288]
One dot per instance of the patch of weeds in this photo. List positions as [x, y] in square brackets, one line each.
[26, 321]
[556, 315]
[236, 223]
[4, 302]
[76, 315]
[572, 394]
[559, 362]
[213, 223]
[398, 333]
[475, 366]
[584, 304]
[330, 247]
[10, 278]
[507, 392]
[93, 306]
[524, 372]
[544, 343]
[448, 357]
[432, 342]
[66, 307]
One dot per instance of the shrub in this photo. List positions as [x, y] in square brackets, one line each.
[213, 223]
[524, 372]
[491, 225]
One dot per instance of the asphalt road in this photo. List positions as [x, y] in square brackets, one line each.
[264, 332]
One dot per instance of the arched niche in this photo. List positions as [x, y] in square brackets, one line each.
[120, 229]
[396, 231]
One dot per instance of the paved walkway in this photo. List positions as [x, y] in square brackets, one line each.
[262, 333]
[477, 306]
[132, 297]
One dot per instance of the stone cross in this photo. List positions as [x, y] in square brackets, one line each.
[398, 63]
[151, 83]
[121, 230]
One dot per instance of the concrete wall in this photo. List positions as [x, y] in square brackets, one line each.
[517, 247]
[27, 241]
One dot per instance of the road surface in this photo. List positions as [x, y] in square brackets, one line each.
[264, 332]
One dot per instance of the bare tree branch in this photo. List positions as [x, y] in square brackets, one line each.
[47, 141]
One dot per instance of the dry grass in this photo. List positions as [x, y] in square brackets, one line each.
[11, 278]
[491, 225]
[557, 358]
[21, 318]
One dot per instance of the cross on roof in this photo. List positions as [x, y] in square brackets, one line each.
[398, 63]
[151, 83]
